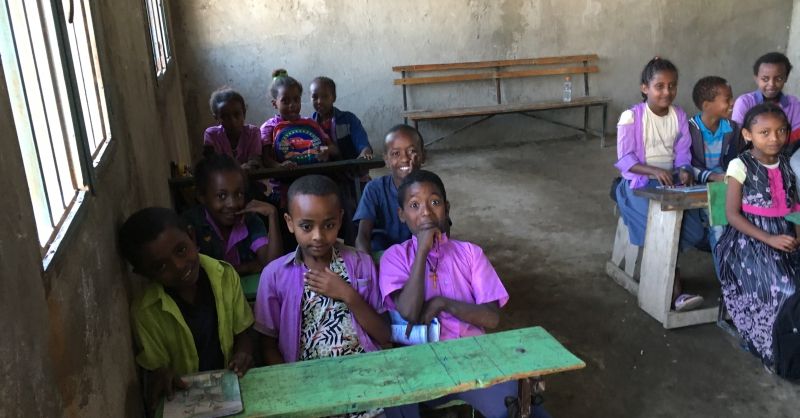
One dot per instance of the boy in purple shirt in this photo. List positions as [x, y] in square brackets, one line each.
[770, 73]
[431, 276]
[321, 300]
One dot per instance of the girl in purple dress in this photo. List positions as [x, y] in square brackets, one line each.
[758, 252]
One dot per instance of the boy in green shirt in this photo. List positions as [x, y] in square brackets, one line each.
[193, 315]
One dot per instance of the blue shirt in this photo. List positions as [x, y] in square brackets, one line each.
[713, 141]
[348, 133]
[379, 204]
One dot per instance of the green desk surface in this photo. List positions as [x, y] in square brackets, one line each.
[402, 375]
[250, 285]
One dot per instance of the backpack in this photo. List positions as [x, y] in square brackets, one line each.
[786, 339]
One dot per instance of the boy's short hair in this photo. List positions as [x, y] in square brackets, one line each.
[314, 185]
[213, 164]
[419, 176]
[773, 58]
[706, 89]
[326, 81]
[145, 226]
[222, 95]
[408, 130]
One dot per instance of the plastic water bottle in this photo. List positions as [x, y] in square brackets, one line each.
[567, 89]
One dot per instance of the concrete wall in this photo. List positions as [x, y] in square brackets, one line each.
[67, 348]
[357, 42]
[793, 51]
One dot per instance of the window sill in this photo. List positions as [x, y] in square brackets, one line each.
[65, 230]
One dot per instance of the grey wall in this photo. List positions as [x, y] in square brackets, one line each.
[66, 347]
[357, 42]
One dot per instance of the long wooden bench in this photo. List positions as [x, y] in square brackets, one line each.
[417, 75]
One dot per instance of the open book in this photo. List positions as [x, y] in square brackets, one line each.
[210, 394]
[420, 334]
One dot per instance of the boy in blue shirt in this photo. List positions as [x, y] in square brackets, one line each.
[379, 225]
[716, 139]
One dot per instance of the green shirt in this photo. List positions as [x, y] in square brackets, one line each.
[164, 339]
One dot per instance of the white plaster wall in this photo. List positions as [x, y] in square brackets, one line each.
[358, 41]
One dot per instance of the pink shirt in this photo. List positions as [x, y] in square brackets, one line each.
[249, 146]
[463, 272]
[280, 292]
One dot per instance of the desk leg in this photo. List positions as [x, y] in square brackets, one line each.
[524, 398]
[357, 186]
[658, 261]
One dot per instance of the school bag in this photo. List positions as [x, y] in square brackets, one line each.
[786, 339]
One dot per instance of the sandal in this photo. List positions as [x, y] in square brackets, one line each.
[686, 302]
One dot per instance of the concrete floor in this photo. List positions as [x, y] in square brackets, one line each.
[541, 211]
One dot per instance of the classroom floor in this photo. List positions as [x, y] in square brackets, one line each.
[537, 202]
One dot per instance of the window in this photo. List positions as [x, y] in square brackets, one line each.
[158, 35]
[58, 103]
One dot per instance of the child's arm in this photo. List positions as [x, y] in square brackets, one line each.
[364, 238]
[272, 355]
[485, 315]
[663, 176]
[733, 211]
[331, 285]
[274, 248]
[360, 138]
[242, 358]
[411, 297]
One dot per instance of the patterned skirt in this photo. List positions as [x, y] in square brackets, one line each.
[756, 279]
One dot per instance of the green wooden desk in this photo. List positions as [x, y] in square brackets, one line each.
[402, 375]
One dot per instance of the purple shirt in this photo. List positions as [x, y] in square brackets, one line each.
[463, 273]
[249, 146]
[278, 311]
[630, 145]
[267, 129]
[789, 104]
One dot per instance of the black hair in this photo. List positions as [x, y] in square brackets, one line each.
[326, 81]
[706, 89]
[773, 58]
[213, 164]
[282, 80]
[654, 66]
[419, 176]
[408, 130]
[145, 226]
[314, 185]
[222, 95]
[760, 109]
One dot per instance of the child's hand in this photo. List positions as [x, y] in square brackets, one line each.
[686, 177]
[782, 243]
[663, 176]
[432, 308]
[324, 154]
[262, 208]
[241, 363]
[330, 284]
[366, 154]
[289, 164]
[426, 238]
[163, 383]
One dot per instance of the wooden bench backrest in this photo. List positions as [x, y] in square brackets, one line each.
[575, 64]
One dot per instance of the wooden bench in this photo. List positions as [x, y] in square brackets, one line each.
[403, 375]
[497, 71]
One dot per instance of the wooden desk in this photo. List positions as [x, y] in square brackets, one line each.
[402, 375]
[659, 257]
[334, 167]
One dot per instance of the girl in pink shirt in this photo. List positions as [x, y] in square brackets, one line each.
[232, 136]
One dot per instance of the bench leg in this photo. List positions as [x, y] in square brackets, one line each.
[586, 122]
[603, 131]
[626, 252]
